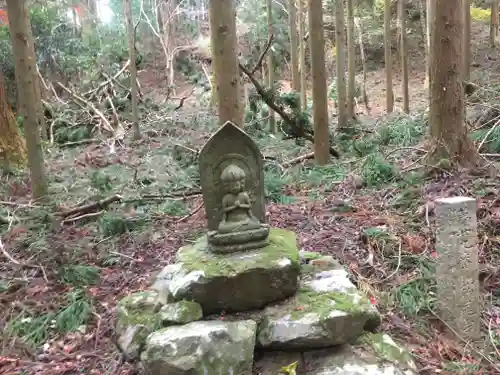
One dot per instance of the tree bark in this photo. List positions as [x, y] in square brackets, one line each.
[388, 57]
[127, 8]
[429, 21]
[294, 46]
[351, 61]
[319, 89]
[222, 17]
[12, 145]
[404, 55]
[302, 54]
[29, 101]
[270, 63]
[340, 64]
[448, 130]
[466, 49]
[494, 23]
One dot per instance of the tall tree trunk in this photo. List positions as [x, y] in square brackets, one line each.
[224, 46]
[294, 46]
[494, 23]
[389, 94]
[127, 8]
[29, 101]
[319, 89]
[351, 61]
[12, 145]
[466, 49]
[340, 64]
[270, 63]
[448, 130]
[302, 54]
[404, 54]
[429, 21]
[168, 21]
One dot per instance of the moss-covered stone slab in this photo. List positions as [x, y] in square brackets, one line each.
[181, 312]
[358, 360]
[327, 310]
[201, 348]
[236, 282]
[136, 318]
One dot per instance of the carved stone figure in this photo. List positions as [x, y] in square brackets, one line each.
[233, 191]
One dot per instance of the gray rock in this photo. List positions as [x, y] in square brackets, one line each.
[201, 348]
[327, 310]
[181, 312]
[236, 282]
[136, 318]
[379, 355]
[374, 354]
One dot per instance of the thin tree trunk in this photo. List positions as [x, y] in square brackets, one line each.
[466, 55]
[294, 46]
[270, 63]
[430, 15]
[351, 61]
[127, 7]
[319, 89]
[29, 102]
[448, 130]
[225, 61]
[404, 55]
[494, 23]
[302, 54]
[388, 57]
[340, 64]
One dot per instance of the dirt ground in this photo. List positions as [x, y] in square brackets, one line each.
[61, 274]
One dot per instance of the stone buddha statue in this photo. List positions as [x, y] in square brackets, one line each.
[239, 229]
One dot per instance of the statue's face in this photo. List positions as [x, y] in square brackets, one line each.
[235, 186]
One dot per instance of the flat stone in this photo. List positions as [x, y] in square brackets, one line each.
[201, 348]
[235, 282]
[327, 310]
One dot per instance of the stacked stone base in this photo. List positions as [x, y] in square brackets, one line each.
[263, 311]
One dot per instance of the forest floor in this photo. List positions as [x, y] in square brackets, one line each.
[61, 274]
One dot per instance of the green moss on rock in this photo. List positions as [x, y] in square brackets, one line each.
[181, 312]
[309, 301]
[282, 244]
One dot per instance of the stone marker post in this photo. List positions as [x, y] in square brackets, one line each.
[457, 271]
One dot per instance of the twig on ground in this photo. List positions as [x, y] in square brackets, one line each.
[18, 263]
[479, 353]
[190, 214]
[102, 204]
[298, 159]
[81, 217]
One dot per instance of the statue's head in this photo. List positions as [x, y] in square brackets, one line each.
[233, 177]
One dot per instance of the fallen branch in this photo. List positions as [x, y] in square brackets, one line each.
[81, 217]
[108, 81]
[263, 54]
[300, 133]
[182, 99]
[107, 125]
[298, 159]
[102, 204]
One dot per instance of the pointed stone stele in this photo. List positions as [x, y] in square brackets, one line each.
[232, 184]
[457, 273]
